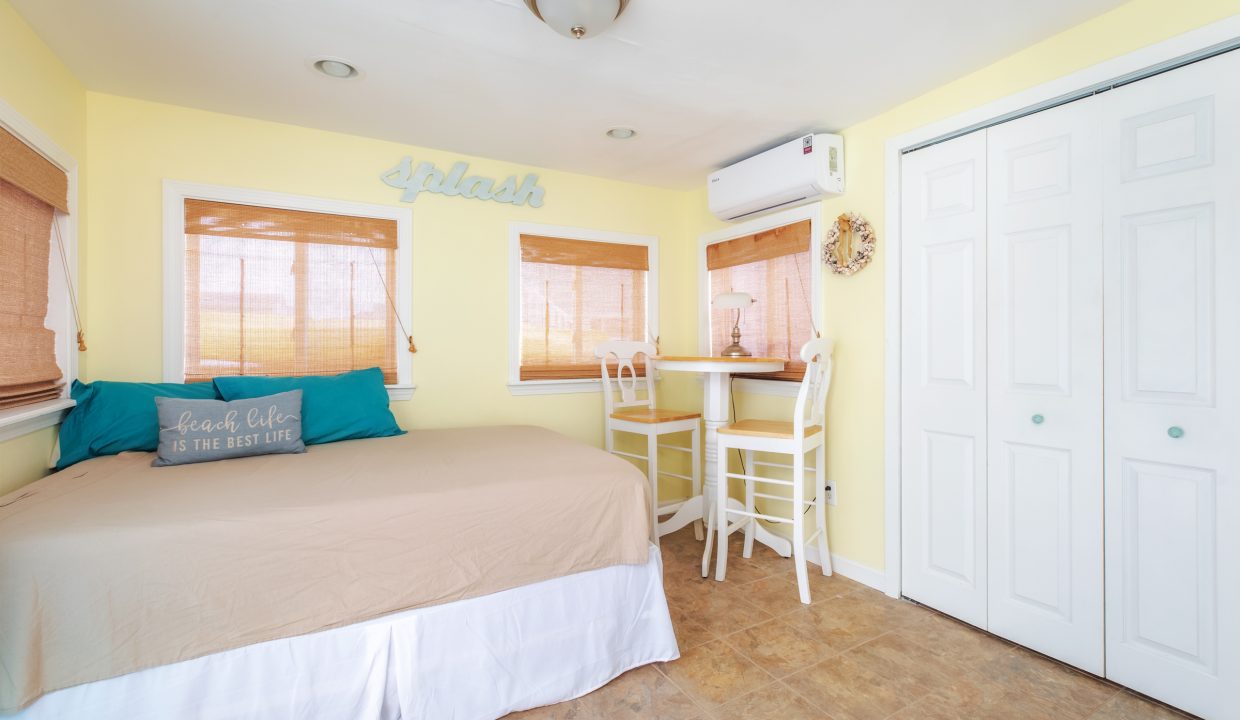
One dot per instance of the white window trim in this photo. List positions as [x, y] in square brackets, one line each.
[811, 212]
[18, 421]
[516, 385]
[177, 192]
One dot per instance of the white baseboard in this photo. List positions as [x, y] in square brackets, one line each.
[851, 569]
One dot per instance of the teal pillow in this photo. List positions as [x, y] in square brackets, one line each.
[115, 417]
[333, 407]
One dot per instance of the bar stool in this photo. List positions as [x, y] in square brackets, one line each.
[803, 434]
[637, 415]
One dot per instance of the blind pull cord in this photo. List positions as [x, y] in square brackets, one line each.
[805, 297]
[64, 264]
[392, 302]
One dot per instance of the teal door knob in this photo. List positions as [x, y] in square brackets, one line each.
[1038, 419]
[1175, 432]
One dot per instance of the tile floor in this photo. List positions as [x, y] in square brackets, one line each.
[749, 650]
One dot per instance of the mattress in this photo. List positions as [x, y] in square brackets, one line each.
[112, 566]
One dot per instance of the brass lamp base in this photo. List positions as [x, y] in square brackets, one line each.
[735, 349]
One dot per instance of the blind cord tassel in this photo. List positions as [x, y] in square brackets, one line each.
[64, 264]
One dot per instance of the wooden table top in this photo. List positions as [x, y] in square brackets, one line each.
[709, 358]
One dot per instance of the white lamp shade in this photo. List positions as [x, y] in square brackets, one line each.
[589, 17]
[733, 300]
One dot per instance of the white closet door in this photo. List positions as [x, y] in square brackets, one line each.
[943, 442]
[1172, 202]
[1045, 384]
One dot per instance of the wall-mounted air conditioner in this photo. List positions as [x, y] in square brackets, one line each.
[794, 173]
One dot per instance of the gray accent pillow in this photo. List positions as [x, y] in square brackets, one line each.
[192, 431]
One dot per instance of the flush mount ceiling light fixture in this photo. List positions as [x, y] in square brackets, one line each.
[577, 19]
[335, 67]
[621, 133]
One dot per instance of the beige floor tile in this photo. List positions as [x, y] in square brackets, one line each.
[956, 641]
[841, 623]
[778, 648]
[848, 691]
[1127, 706]
[917, 670]
[824, 587]
[776, 594]
[691, 633]
[717, 607]
[972, 696]
[1074, 694]
[776, 701]
[715, 673]
[643, 693]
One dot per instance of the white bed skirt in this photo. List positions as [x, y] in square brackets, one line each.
[480, 658]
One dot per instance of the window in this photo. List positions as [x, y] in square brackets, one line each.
[573, 290]
[776, 267]
[295, 287]
[34, 199]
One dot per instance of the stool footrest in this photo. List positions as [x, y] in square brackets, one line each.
[768, 496]
[785, 466]
[622, 453]
[759, 516]
[755, 478]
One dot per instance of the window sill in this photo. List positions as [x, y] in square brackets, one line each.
[554, 387]
[18, 421]
[400, 392]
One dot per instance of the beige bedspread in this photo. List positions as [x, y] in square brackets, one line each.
[112, 566]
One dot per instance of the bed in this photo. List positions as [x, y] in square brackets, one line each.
[461, 573]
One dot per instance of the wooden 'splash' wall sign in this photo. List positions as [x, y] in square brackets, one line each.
[454, 183]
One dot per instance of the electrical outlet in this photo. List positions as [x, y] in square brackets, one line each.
[830, 492]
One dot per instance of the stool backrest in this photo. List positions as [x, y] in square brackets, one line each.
[811, 407]
[630, 379]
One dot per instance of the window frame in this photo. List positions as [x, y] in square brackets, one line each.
[811, 212]
[25, 419]
[516, 385]
[176, 192]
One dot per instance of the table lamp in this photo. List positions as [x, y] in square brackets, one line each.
[734, 301]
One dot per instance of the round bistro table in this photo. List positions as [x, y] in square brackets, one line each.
[716, 403]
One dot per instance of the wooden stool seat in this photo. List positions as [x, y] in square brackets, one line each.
[765, 428]
[654, 415]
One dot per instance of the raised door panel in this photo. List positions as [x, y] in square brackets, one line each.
[1172, 238]
[943, 427]
[1044, 401]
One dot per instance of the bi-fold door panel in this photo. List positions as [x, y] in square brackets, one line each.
[943, 426]
[1044, 392]
[1171, 154]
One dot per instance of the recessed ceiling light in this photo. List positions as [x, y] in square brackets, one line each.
[332, 67]
[621, 133]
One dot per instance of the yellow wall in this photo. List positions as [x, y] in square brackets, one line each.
[45, 93]
[459, 317]
[854, 306]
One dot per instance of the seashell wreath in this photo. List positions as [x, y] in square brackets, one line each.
[849, 245]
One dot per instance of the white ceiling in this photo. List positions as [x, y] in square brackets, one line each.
[705, 82]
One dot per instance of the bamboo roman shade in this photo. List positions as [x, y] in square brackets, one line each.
[22, 166]
[28, 369]
[270, 291]
[576, 294]
[774, 267]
